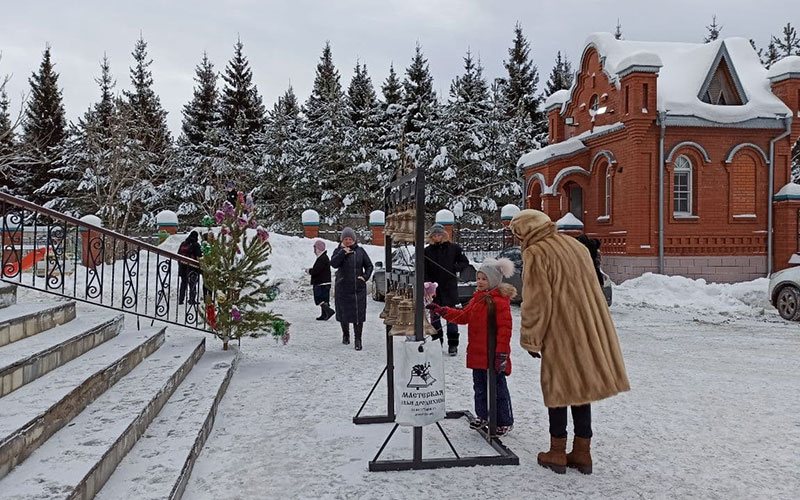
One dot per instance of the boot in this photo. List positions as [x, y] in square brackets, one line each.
[327, 312]
[322, 312]
[556, 458]
[358, 330]
[345, 333]
[580, 458]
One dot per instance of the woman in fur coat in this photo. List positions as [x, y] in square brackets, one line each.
[566, 322]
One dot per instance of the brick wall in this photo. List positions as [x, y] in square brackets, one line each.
[718, 269]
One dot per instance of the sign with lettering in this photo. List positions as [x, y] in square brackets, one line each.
[419, 383]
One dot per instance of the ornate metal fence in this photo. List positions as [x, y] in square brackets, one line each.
[54, 253]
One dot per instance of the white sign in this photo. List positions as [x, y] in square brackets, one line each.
[418, 383]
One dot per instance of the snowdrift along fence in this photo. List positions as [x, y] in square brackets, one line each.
[60, 255]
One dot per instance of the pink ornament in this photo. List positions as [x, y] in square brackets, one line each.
[236, 315]
[242, 222]
[253, 223]
[228, 209]
[219, 216]
[262, 234]
[240, 198]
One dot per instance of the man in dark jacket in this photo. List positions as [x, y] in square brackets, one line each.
[189, 275]
[321, 281]
[443, 260]
[593, 245]
[353, 269]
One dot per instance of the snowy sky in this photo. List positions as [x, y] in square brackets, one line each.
[283, 39]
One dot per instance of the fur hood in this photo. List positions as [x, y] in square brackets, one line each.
[504, 290]
[531, 226]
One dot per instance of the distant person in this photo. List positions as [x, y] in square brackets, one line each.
[321, 280]
[353, 269]
[488, 313]
[443, 260]
[231, 195]
[593, 245]
[189, 275]
[566, 322]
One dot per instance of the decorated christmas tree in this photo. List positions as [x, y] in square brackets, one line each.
[235, 274]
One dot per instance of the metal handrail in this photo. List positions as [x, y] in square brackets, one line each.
[79, 261]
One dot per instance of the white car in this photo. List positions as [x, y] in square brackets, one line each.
[784, 292]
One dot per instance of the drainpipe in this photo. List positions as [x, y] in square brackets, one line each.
[787, 120]
[663, 124]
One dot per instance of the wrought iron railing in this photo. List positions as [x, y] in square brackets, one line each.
[484, 240]
[54, 253]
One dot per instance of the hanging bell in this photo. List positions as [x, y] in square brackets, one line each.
[405, 319]
[387, 299]
[392, 315]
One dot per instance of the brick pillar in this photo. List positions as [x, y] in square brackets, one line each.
[447, 219]
[91, 251]
[167, 221]
[377, 221]
[310, 220]
[785, 232]
[551, 206]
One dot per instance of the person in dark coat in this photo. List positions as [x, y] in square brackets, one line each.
[353, 269]
[321, 280]
[231, 196]
[189, 277]
[593, 245]
[443, 260]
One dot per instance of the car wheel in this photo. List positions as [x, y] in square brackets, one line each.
[788, 303]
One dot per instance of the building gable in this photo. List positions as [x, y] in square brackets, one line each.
[722, 85]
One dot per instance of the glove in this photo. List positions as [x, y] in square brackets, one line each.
[436, 309]
[430, 289]
[500, 362]
[535, 354]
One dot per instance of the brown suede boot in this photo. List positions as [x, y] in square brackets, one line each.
[556, 458]
[580, 458]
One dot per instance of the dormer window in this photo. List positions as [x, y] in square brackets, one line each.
[721, 89]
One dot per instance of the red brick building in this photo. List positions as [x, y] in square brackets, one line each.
[708, 124]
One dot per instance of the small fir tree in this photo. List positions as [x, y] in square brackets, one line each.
[789, 43]
[235, 270]
[714, 30]
[618, 31]
[772, 55]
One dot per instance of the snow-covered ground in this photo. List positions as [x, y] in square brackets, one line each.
[713, 411]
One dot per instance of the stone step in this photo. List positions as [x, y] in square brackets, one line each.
[25, 360]
[77, 460]
[158, 467]
[8, 294]
[19, 321]
[35, 411]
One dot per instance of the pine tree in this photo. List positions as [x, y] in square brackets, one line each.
[618, 31]
[199, 179]
[105, 106]
[418, 147]
[44, 128]
[10, 173]
[772, 55]
[149, 130]
[788, 45]
[391, 123]
[392, 88]
[240, 102]
[714, 30]
[759, 52]
[561, 77]
[326, 140]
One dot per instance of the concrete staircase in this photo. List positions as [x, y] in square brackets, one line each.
[92, 408]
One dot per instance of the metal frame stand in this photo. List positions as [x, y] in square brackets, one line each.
[411, 189]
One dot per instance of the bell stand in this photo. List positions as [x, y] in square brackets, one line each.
[407, 189]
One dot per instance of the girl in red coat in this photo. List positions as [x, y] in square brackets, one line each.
[491, 292]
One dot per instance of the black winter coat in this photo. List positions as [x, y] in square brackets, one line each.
[442, 262]
[189, 248]
[351, 292]
[321, 272]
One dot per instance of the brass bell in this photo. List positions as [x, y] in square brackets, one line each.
[387, 299]
[392, 315]
[405, 319]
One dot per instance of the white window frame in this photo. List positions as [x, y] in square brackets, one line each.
[682, 165]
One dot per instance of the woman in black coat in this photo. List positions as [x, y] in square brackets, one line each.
[353, 269]
[443, 260]
[321, 280]
[189, 248]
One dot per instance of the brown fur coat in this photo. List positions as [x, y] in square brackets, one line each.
[565, 316]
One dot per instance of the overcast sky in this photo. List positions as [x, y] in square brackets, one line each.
[283, 39]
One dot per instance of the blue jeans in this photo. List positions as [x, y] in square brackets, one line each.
[452, 330]
[481, 387]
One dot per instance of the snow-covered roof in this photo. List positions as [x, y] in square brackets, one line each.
[557, 98]
[790, 191]
[569, 147]
[788, 67]
[684, 70]
[569, 221]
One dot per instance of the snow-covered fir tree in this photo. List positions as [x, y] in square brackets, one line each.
[419, 145]
[149, 130]
[327, 141]
[772, 55]
[561, 76]
[391, 123]
[11, 175]
[199, 178]
[714, 30]
[44, 129]
[366, 175]
[788, 44]
[283, 165]
[243, 122]
[618, 31]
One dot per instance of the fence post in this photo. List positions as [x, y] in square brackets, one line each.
[569, 224]
[87, 259]
[166, 224]
[310, 220]
[447, 219]
[377, 220]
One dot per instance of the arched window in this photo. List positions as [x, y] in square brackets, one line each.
[682, 186]
[608, 191]
[594, 104]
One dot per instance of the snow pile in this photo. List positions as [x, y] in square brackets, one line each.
[689, 295]
[789, 66]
